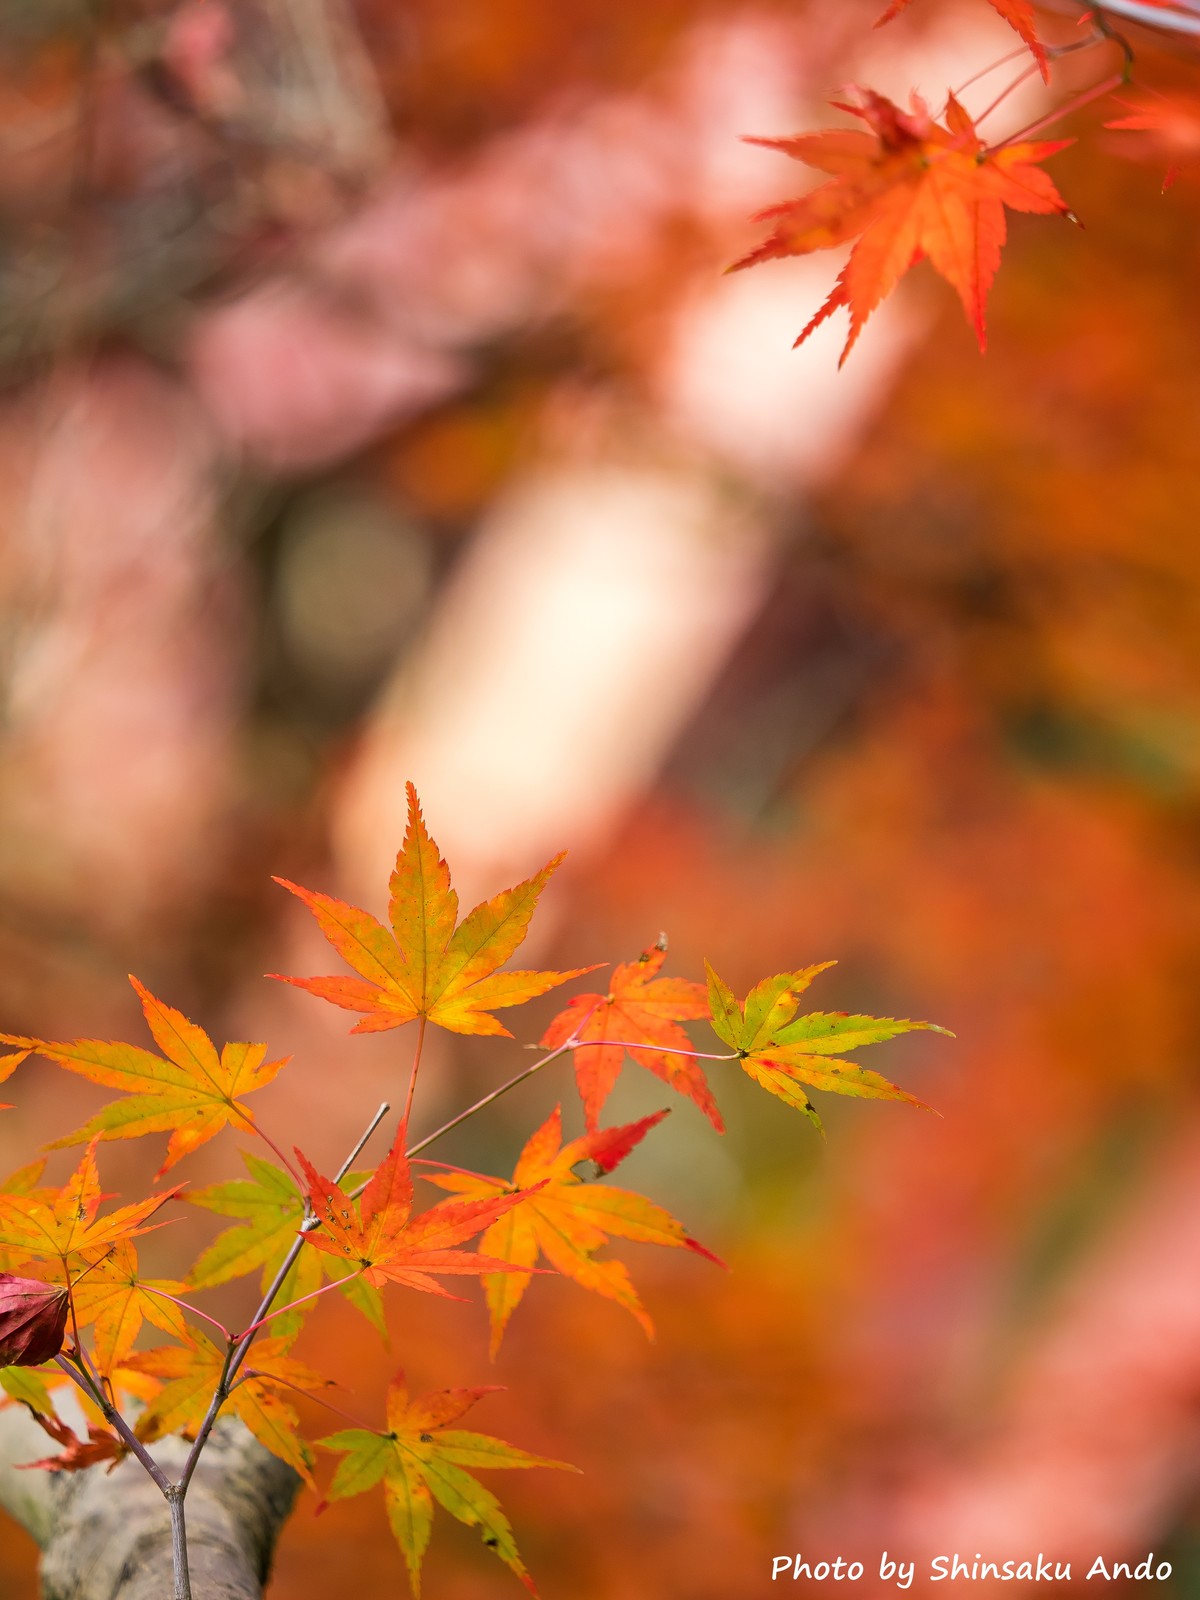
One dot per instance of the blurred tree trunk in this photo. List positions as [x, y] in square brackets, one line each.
[107, 1536]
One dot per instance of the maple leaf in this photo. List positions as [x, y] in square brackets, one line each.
[427, 966]
[271, 1209]
[188, 1091]
[383, 1240]
[117, 1301]
[22, 1182]
[640, 1015]
[567, 1220]
[29, 1388]
[58, 1224]
[8, 1065]
[421, 1459]
[26, 1388]
[784, 1052]
[77, 1454]
[907, 189]
[1172, 123]
[1017, 13]
[191, 1374]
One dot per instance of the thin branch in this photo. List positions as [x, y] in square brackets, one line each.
[1116, 81]
[118, 1424]
[192, 1310]
[487, 1100]
[573, 1043]
[354, 1154]
[292, 1304]
[237, 1352]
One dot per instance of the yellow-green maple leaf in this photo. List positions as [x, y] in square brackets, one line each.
[419, 1460]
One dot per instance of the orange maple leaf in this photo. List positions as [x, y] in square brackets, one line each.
[191, 1374]
[567, 1220]
[189, 1091]
[907, 189]
[1017, 13]
[117, 1300]
[59, 1224]
[1172, 123]
[383, 1240]
[640, 1015]
[426, 966]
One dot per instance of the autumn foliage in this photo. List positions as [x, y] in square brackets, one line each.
[303, 1228]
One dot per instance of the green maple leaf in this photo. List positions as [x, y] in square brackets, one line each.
[421, 1460]
[271, 1209]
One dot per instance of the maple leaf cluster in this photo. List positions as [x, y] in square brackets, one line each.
[67, 1267]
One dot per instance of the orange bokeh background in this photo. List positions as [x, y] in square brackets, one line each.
[391, 419]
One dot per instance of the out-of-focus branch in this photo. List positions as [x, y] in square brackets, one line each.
[233, 129]
[1153, 16]
[1156, 16]
[1139, 11]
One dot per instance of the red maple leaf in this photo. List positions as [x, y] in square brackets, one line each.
[1171, 123]
[906, 189]
[1017, 13]
[77, 1454]
[33, 1320]
[383, 1240]
[639, 1016]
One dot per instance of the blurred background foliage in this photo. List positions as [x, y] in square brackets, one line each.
[373, 408]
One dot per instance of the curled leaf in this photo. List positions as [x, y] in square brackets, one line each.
[77, 1454]
[33, 1321]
